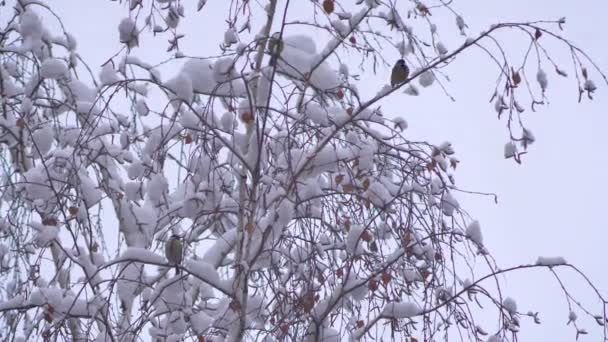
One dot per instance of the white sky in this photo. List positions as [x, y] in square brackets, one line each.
[551, 205]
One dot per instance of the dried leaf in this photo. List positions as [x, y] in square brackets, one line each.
[366, 184]
[73, 210]
[328, 6]
[372, 285]
[516, 77]
[386, 278]
[347, 188]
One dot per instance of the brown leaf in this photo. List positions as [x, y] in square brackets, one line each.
[347, 188]
[422, 9]
[247, 117]
[49, 221]
[366, 184]
[188, 139]
[308, 302]
[339, 178]
[372, 285]
[349, 110]
[235, 305]
[366, 236]
[516, 77]
[347, 225]
[73, 210]
[360, 324]
[353, 40]
[328, 6]
[250, 227]
[340, 94]
[386, 278]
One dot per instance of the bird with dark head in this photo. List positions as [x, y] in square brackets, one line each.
[400, 73]
[173, 251]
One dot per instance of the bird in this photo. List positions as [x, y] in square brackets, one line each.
[173, 251]
[400, 73]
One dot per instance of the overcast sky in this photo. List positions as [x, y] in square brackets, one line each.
[551, 205]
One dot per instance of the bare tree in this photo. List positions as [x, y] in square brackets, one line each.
[289, 205]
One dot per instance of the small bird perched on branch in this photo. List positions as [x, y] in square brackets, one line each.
[400, 73]
[173, 251]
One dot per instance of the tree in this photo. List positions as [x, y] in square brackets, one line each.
[304, 211]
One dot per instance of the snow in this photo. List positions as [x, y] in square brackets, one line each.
[15, 302]
[157, 188]
[108, 75]
[220, 249]
[129, 281]
[495, 338]
[91, 195]
[43, 139]
[141, 255]
[31, 30]
[340, 27]
[449, 204]
[298, 57]
[412, 90]
[210, 78]
[510, 305]
[550, 261]
[354, 244]
[412, 275]
[200, 322]
[510, 150]
[44, 234]
[230, 37]
[426, 79]
[190, 120]
[182, 86]
[81, 92]
[207, 273]
[473, 232]
[141, 107]
[53, 68]
[264, 85]
[378, 194]
[401, 310]
[441, 49]
[541, 77]
[400, 123]
[128, 34]
[87, 108]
